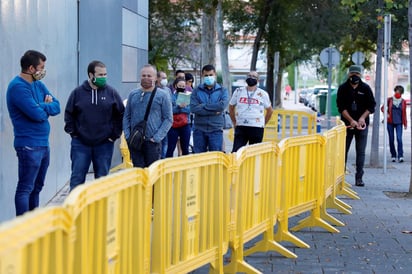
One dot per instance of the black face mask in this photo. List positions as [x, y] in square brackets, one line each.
[251, 82]
[354, 79]
[180, 89]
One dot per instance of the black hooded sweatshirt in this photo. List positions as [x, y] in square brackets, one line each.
[94, 116]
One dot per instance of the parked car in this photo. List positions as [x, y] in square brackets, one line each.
[302, 95]
[308, 95]
[316, 91]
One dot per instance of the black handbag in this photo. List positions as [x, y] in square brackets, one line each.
[137, 135]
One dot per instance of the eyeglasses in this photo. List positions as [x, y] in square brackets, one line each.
[253, 76]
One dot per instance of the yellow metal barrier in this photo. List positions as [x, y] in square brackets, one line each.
[38, 242]
[191, 212]
[343, 188]
[287, 123]
[126, 160]
[112, 222]
[336, 155]
[330, 175]
[182, 213]
[302, 179]
[255, 202]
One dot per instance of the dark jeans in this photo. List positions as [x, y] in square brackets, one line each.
[361, 137]
[149, 154]
[244, 134]
[391, 133]
[82, 155]
[172, 137]
[207, 141]
[33, 164]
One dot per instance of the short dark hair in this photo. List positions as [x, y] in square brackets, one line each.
[179, 71]
[208, 68]
[91, 68]
[399, 88]
[31, 58]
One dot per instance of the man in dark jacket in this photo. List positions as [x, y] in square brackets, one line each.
[93, 118]
[355, 102]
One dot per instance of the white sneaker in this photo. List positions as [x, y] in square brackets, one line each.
[401, 160]
[393, 159]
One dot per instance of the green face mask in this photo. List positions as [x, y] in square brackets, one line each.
[99, 81]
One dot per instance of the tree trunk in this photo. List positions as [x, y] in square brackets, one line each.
[410, 71]
[374, 156]
[266, 9]
[208, 37]
[224, 59]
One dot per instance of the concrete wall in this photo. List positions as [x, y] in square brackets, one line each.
[71, 34]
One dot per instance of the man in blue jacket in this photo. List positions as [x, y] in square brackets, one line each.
[30, 104]
[208, 102]
[93, 117]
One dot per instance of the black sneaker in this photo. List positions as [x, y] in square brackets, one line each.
[359, 182]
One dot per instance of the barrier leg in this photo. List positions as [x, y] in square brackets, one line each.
[346, 190]
[284, 235]
[339, 205]
[314, 220]
[237, 263]
[269, 244]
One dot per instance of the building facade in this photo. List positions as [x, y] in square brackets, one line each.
[71, 34]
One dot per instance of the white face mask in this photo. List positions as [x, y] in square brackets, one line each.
[163, 82]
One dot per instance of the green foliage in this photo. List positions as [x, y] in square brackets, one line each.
[173, 33]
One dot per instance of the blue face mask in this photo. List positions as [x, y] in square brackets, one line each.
[209, 80]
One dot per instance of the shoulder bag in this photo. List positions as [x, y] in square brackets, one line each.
[137, 135]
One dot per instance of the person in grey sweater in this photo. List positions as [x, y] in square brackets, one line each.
[159, 121]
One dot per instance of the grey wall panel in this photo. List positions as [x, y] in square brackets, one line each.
[55, 28]
[131, 4]
[50, 27]
[100, 37]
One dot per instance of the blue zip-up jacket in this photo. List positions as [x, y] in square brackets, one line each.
[94, 116]
[160, 115]
[29, 113]
[208, 106]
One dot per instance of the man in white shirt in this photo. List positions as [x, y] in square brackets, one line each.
[247, 111]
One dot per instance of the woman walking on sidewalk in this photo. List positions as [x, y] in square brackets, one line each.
[396, 119]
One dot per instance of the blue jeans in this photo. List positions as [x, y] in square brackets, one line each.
[207, 141]
[33, 164]
[82, 155]
[391, 133]
[361, 137]
[172, 137]
[149, 154]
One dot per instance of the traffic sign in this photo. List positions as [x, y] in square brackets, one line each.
[358, 58]
[329, 57]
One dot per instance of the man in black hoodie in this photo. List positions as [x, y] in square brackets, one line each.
[93, 117]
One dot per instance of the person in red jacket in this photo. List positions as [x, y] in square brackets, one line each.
[396, 119]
